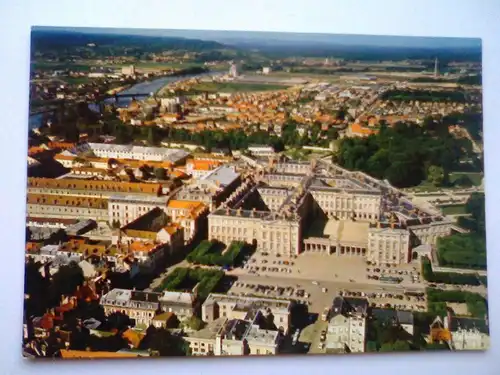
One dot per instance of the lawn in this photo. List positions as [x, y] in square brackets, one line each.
[454, 209]
[462, 178]
[236, 87]
[184, 279]
[213, 253]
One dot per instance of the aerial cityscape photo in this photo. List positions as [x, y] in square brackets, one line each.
[216, 193]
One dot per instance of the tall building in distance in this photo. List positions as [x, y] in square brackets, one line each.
[436, 68]
[233, 70]
[128, 70]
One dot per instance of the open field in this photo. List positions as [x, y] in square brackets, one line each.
[454, 209]
[77, 80]
[236, 87]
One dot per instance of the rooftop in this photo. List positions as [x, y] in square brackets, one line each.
[106, 186]
[126, 295]
[78, 354]
[347, 306]
[222, 176]
[261, 336]
[170, 154]
[177, 297]
[210, 331]
[67, 200]
[347, 231]
[469, 324]
[257, 302]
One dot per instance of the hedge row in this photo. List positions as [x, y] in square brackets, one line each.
[202, 254]
[447, 277]
[207, 279]
[477, 305]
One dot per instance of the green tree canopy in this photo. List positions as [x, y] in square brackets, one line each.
[397, 346]
[435, 175]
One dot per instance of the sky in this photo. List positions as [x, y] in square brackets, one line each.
[237, 37]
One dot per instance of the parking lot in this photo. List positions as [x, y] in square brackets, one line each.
[319, 294]
[324, 267]
[313, 337]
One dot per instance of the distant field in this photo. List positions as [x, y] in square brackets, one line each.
[454, 209]
[45, 65]
[236, 87]
[77, 80]
[158, 65]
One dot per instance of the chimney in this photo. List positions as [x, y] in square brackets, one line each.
[447, 323]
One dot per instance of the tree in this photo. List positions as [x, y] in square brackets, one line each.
[152, 135]
[397, 346]
[195, 323]
[164, 342]
[435, 175]
[118, 321]
[160, 173]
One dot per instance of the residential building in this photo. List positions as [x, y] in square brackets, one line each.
[66, 206]
[468, 333]
[91, 188]
[228, 337]
[126, 208]
[347, 325]
[182, 304]
[262, 150]
[147, 307]
[105, 150]
[237, 307]
[138, 305]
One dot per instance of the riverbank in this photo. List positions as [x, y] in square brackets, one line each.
[141, 90]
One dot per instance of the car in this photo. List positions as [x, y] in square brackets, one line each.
[315, 283]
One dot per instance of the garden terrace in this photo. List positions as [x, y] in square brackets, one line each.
[185, 279]
[212, 253]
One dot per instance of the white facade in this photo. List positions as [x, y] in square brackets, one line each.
[67, 212]
[262, 150]
[347, 331]
[346, 205]
[470, 339]
[388, 245]
[104, 150]
[126, 209]
[276, 236]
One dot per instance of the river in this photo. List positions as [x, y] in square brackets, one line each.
[142, 89]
